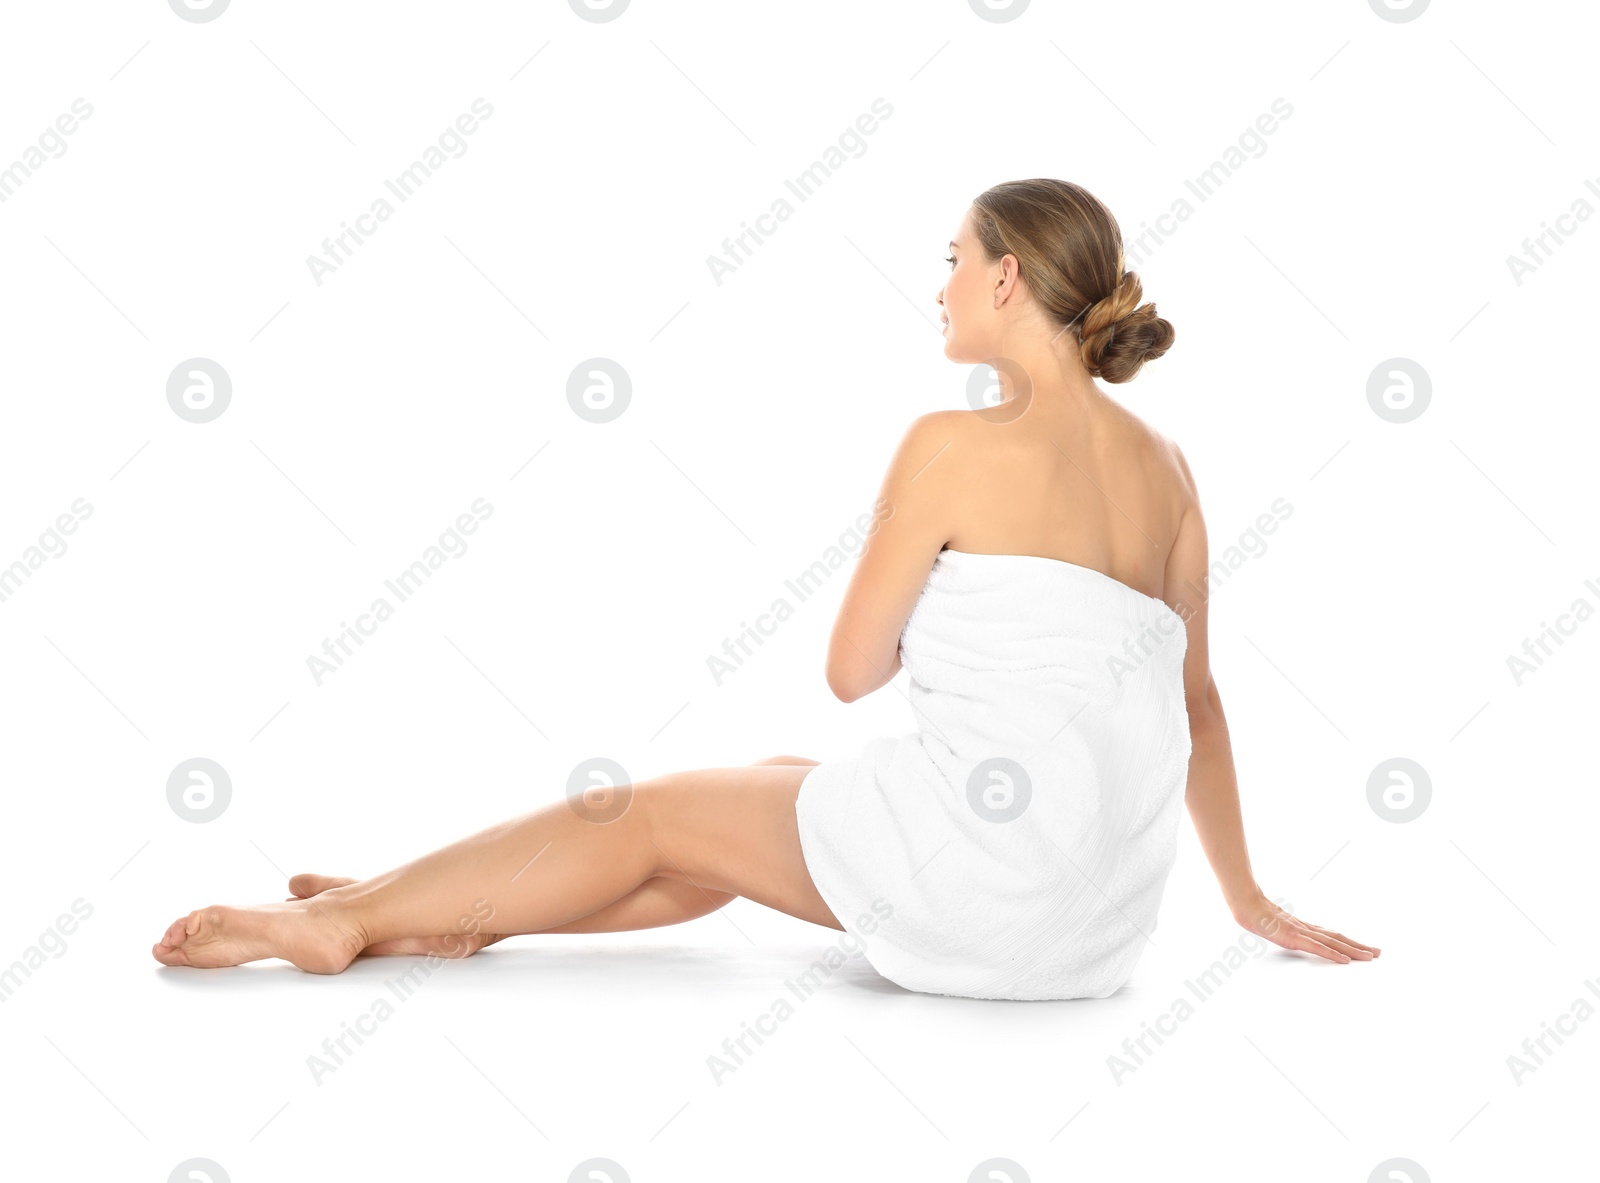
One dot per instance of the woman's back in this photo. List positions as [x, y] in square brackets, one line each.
[1072, 477]
[1045, 777]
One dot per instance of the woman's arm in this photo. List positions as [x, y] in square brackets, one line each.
[911, 524]
[1213, 801]
[1213, 789]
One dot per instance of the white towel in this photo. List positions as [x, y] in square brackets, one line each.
[1017, 844]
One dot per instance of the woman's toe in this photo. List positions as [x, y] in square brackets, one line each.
[169, 950]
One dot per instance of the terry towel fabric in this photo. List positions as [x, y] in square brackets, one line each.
[1017, 844]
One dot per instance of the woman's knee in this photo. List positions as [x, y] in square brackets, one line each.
[784, 760]
[716, 827]
[656, 812]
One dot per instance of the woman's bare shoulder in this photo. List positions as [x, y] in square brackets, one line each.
[928, 462]
[931, 436]
[947, 449]
[1161, 452]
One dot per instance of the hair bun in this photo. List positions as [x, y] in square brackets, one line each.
[1119, 334]
[1068, 250]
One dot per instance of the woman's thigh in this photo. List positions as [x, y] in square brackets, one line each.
[734, 830]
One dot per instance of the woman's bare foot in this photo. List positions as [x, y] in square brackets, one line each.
[299, 932]
[458, 945]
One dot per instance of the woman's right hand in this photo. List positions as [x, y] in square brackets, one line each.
[1264, 918]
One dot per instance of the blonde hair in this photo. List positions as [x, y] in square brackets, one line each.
[1068, 249]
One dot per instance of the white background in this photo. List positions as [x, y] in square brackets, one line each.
[372, 409]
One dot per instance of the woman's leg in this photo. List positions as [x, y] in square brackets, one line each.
[655, 903]
[719, 830]
[660, 901]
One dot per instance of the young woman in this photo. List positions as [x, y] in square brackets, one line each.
[1039, 565]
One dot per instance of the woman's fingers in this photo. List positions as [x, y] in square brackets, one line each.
[1288, 930]
[1310, 944]
[1297, 936]
[1339, 935]
[1353, 951]
[1337, 941]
